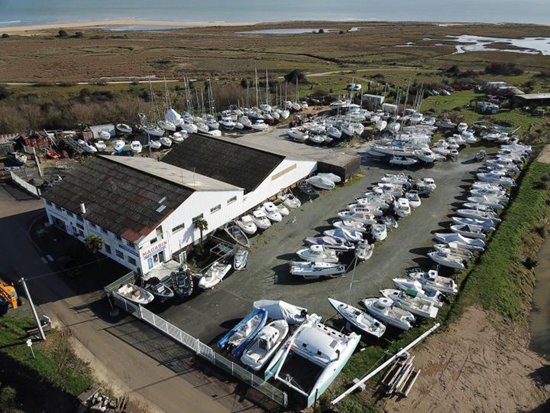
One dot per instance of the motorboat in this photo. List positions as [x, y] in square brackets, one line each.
[474, 244]
[362, 217]
[492, 202]
[214, 275]
[136, 146]
[246, 122]
[414, 198]
[390, 222]
[135, 294]
[240, 260]
[447, 259]
[461, 127]
[260, 125]
[373, 210]
[238, 338]
[283, 210]
[346, 234]
[118, 145]
[433, 280]
[290, 201]
[178, 137]
[173, 117]
[321, 182]
[167, 125]
[237, 234]
[265, 344]
[425, 185]
[203, 127]
[486, 186]
[337, 244]
[307, 189]
[381, 124]
[496, 193]
[496, 178]
[121, 127]
[310, 360]
[478, 214]
[260, 219]
[160, 290]
[153, 130]
[487, 225]
[227, 123]
[189, 127]
[364, 251]
[100, 145]
[87, 148]
[329, 175]
[212, 123]
[455, 249]
[394, 127]
[246, 223]
[318, 253]
[359, 319]
[182, 283]
[472, 231]
[401, 160]
[298, 135]
[399, 179]
[272, 212]
[155, 144]
[347, 130]
[384, 310]
[379, 232]
[334, 132]
[314, 270]
[349, 225]
[412, 303]
[165, 141]
[414, 287]
[402, 207]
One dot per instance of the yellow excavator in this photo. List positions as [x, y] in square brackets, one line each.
[9, 295]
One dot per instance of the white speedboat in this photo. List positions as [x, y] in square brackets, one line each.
[412, 303]
[227, 123]
[321, 182]
[334, 132]
[379, 232]
[87, 147]
[290, 201]
[135, 294]
[318, 253]
[347, 129]
[283, 210]
[349, 225]
[414, 198]
[364, 250]
[384, 310]
[165, 141]
[433, 280]
[364, 218]
[118, 145]
[447, 259]
[297, 135]
[153, 130]
[461, 127]
[426, 184]
[246, 122]
[399, 179]
[189, 127]
[492, 202]
[272, 212]
[359, 319]
[265, 344]
[136, 146]
[337, 244]
[214, 275]
[402, 207]
[401, 160]
[202, 127]
[246, 223]
[121, 127]
[381, 124]
[478, 214]
[179, 137]
[167, 125]
[100, 145]
[314, 270]
[414, 287]
[316, 348]
[373, 210]
[240, 260]
[474, 244]
[346, 234]
[487, 225]
[496, 178]
[329, 175]
[472, 231]
[260, 125]
[155, 144]
[260, 219]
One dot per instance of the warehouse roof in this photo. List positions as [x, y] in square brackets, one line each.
[124, 200]
[534, 96]
[238, 165]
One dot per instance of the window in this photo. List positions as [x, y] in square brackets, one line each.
[178, 228]
[153, 241]
[231, 200]
[159, 232]
[79, 218]
[216, 208]
[130, 244]
[57, 207]
[107, 248]
[70, 214]
[103, 230]
[132, 261]
[91, 224]
[49, 203]
[80, 226]
[119, 254]
[198, 216]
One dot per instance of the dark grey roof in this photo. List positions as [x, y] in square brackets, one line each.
[226, 161]
[124, 200]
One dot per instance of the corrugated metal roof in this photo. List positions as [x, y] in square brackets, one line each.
[118, 198]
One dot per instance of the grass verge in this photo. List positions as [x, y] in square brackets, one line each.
[502, 280]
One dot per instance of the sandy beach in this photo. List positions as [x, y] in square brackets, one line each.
[33, 29]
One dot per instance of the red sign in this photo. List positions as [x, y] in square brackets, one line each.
[161, 246]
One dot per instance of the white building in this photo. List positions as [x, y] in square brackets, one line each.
[144, 209]
[376, 100]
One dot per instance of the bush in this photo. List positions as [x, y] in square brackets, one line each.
[8, 397]
[503, 69]
[296, 74]
[4, 92]
[62, 33]
[78, 35]
[5, 35]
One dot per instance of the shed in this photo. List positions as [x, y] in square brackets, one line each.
[374, 99]
[35, 139]
[538, 99]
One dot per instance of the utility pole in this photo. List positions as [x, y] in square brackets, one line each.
[42, 335]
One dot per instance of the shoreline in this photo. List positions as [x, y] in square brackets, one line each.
[118, 22]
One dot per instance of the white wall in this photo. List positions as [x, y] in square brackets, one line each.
[271, 186]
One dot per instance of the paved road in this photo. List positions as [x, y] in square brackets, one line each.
[210, 313]
[127, 354]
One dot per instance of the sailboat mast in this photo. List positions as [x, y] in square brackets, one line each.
[257, 91]
[266, 88]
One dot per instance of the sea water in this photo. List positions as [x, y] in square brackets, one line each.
[27, 12]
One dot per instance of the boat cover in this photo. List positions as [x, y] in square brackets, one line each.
[281, 310]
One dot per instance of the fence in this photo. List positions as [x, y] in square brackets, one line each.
[196, 345]
[25, 185]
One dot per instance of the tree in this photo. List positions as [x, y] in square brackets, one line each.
[4, 92]
[94, 243]
[5, 35]
[201, 224]
[62, 33]
[296, 74]
[79, 35]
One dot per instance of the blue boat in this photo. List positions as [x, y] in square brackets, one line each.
[243, 333]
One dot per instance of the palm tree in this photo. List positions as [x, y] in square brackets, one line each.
[201, 224]
[94, 243]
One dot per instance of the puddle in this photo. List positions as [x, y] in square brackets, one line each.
[540, 316]
[527, 45]
[288, 31]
